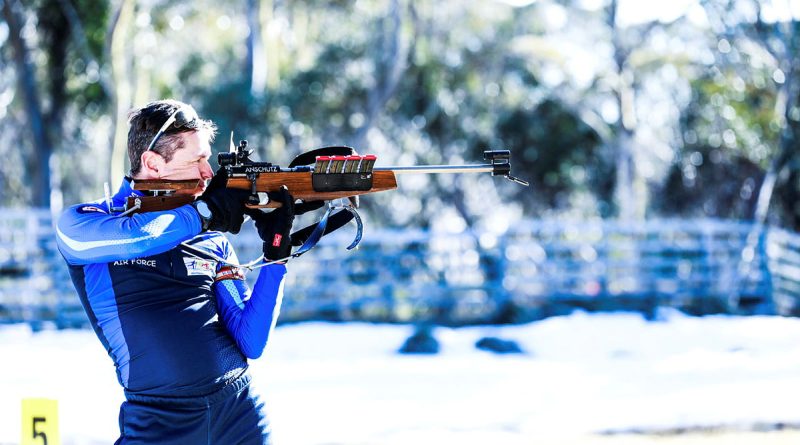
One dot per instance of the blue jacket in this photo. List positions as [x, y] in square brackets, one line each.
[148, 283]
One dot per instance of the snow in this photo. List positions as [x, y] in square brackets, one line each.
[346, 384]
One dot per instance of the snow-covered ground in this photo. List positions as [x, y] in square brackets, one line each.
[345, 383]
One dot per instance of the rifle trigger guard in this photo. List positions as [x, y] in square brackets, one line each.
[253, 199]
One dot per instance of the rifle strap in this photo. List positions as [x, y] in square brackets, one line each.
[315, 235]
[308, 237]
[335, 221]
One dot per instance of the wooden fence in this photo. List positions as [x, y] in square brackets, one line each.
[535, 270]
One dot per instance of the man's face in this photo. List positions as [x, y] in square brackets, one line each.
[190, 162]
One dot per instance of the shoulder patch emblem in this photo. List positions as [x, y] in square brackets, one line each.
[198, 266]
[90, 209]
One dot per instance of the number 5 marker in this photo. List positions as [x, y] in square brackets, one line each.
[40, 422]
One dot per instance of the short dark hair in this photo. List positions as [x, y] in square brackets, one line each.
[146, 121]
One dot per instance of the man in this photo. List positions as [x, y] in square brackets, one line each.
[164, 296]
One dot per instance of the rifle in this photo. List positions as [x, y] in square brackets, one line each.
[334, 173]
[326, 174]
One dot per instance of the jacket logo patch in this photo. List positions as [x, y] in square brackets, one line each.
[197, 266]
[90, 209]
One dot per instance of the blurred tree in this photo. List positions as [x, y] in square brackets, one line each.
[467, 91]
[55, 91]
[256, 61]
[123, 65]
[39, 163]
[560, 153]
[770, 34]
[725, 130]
[391, 62]
[624, 80]
[620, 72]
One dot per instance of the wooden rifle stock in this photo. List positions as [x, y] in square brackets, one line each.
[299, 184]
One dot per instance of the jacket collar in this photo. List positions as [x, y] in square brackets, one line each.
[125, 190]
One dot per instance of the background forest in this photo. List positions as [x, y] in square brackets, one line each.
[612, 109]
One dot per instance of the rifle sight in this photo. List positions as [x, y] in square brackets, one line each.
[234, 158]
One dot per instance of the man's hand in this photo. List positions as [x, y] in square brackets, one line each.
[275, 227]
[226, 204]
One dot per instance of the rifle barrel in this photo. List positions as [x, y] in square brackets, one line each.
[479, 168]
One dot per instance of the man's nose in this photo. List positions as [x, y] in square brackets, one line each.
[205, 171]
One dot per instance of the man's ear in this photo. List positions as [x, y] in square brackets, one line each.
[152, 163]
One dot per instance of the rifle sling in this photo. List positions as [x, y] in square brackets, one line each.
[308, 237]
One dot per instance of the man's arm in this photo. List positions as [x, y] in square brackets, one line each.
[249, 316]
[88, 234]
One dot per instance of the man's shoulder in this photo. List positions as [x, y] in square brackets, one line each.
[214, 242]
[210, 236]
[82, 210]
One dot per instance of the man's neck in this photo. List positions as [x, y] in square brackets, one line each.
[142, 176]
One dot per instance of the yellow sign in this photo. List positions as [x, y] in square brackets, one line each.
[40, 422]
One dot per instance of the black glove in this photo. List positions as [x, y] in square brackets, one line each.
[275, 227]
[226, 204]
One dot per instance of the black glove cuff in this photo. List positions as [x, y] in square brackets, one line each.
[204, 212]
[278, 248]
